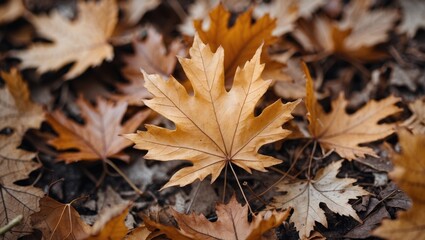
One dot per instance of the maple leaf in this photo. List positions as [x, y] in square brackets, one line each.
[306, 195]
[232, 223]
[214, 127]
[413, 17]
[83, 41]
[151, 56]
[408, 174]
[416, 123]
[354, 37]
[111, 223]
[344, 132]
[241, 41]
[99, 137]
[58, 221]
[135, 9]
[11, 10]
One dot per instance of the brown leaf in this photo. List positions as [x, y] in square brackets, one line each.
[214, 127]
[135, 9]
[152, 57]
[416, 122]
[139, 233]
[111, 223]
[413, 17]
[83, 41]
[100, 137]
[11, 10]
[305, 197]
[344, 132]
[241, 41]
[409, 175]
[232, 223]
[58, 221]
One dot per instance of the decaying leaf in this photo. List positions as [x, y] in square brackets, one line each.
[306, 195]
[83, 41]
[354, 37]
[416, 123]
[111, 223]
[413, 17]
[344, 132]
[409, 174]
[232, 223]
[100, 137]
[11, 10]
[58, 221]
[151, 56]
[214, 127]
[241, 41]
[135, 9]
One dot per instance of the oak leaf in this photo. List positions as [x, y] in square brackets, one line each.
[214, 127]
[240, 41]
[416, 122]
[343, 132]
[305, 197]
[99, 137]
[232, 223]
[58, 221]
[413, 17]
[354, 37]
[409, 175]
[83, 41]
[151, 56]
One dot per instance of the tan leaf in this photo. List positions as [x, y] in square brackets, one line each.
[135, 9]
[17, 111]
[413, 17]
[151, 56]
[306, 195]
[409, 174]
[58, 221]
[83, 41]
[111, 223]
[100, 137]
[354, 37]
[214, 127]
[416, 123]
[241, 41]
[11, 10]
[344, 132]
[139, 233]
[232, 223]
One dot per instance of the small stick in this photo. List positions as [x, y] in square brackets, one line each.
[17, 220]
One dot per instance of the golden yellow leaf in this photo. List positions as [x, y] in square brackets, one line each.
[305, 197]
[343, 132]
[214, 127]
[409, 175]
[58, 221]
[83, 41]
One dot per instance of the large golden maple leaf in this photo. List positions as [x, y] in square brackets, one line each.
[214, 127]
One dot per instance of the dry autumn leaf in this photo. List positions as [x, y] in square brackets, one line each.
[58, 221]
[413, 17]
[354, 37]
[11, 10]
[240, 41]
[305, 197]
[152, 57]
[100, 137]
[83, 41]
[416, 123]
[232, 223]
[214, 127]
[343, 132]
[409, 174]
[111, 223]
[135, 9]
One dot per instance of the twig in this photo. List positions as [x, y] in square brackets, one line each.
[17, 220]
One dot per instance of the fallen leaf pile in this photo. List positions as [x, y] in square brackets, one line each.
[212, 119]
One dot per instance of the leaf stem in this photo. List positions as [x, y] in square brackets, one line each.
[194, 197]
[240, 187]
[17, 220]
[121, 173]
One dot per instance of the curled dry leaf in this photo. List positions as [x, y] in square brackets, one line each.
[11, 10]
[111, 223]
[305, 197]
[409, 175]
[83, 41]
[413, 17]
[416, 123]
[100, 137]
[152, 57]
[214, 127]
[344, 132]
[232, 223]
[135, 9]
[58, 221]
[354, 37]
[18, 113]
